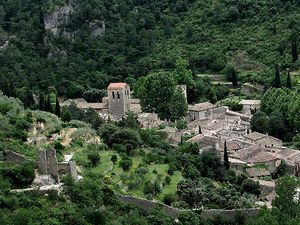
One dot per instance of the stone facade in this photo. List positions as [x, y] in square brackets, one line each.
[48, 165]
[118, 99]
[250, 106]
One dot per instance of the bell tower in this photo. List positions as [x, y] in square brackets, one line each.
[118, 99]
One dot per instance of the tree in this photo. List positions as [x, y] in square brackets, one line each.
[114, 159]
[130, 138]
[125, 164]
[286, 205]
[130, 120]
[251, 186]
[294, 49]
[106, 132]
[265, 217]
[231, 74]
[57, 107]
[288, 81]
[226, 159]
[182, 74]
[94, 158]
[41, 101]
[48, 106]
[157, 93]
[277, 77]
[260, 122]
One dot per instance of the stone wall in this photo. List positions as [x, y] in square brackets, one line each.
[14, 157]
[205, 214]
[48, 164]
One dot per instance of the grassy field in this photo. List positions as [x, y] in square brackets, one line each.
[121, 180]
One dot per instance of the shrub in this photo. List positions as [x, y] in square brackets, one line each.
[168, 179]
[94, 158]
[251, 187]
[125, 164]
[114, 159]
[168, 199]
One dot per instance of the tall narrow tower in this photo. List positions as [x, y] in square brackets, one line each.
[118, 99]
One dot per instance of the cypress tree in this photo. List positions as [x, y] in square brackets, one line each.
[226, 159]
[277, 77]
[41, 102]
[294, 50]
[48, 104]
[288, 81]
[12, 89]
[234, 77]
[57, 107]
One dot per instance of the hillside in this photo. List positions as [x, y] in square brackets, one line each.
[77, 46]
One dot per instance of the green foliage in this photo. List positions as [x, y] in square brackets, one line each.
[114, 159]
[251, 186]
[231, 74]
[19, 175]
[274, 103]
[260, 122]
[94, 158]
[158, 94]
[125, 163]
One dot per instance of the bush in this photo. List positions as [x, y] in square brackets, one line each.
[125, 164]
[168, 199]
[168, 179]
[94, 158]
[251, 187]
[114, 159]
[152, 188]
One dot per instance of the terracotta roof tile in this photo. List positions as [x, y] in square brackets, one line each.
[113, 86]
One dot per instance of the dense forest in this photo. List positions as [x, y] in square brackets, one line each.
[99, 41]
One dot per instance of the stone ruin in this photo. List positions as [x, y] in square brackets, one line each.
[48, 165]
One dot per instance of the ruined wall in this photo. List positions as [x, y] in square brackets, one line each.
[48, 164]
[68, 168]
[205, 214]
[14, 157]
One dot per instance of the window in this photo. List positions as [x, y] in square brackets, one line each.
[118, 94]
[113, 95]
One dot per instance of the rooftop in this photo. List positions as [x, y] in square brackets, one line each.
[202, 106]
[113, 86]
[255, 136]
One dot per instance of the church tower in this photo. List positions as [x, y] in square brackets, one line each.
[118, 99]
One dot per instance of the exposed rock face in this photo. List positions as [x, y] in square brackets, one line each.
[3, 45]
[55, 21]
[97, 28]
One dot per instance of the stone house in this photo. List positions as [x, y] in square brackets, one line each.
[263, 140]
[236, 164]
[256, 155]
[250, 106]
[200, 111]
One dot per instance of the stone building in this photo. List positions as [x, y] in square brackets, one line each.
[200, 111]
[263, 140]
[118, 99]
[250, 106]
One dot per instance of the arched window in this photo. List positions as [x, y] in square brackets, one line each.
[113, 95]
[118, 95]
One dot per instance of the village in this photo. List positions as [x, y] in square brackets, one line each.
[212, 126]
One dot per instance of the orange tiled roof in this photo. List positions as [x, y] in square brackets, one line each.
[116, 86]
